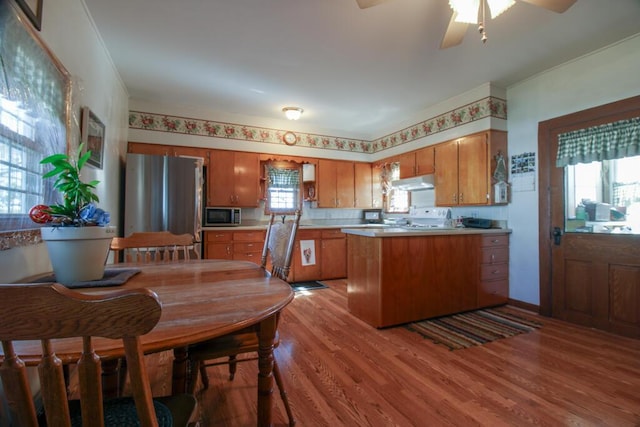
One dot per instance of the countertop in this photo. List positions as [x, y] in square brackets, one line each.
[369, 230]
[403, 232]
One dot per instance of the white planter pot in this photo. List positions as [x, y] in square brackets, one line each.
[78, 254]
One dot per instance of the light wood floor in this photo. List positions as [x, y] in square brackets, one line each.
[341, 372]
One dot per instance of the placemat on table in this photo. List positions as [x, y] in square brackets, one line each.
[112, 277]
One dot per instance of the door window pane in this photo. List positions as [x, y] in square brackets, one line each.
[603, 197]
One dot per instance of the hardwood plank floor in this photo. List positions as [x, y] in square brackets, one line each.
[340, 371]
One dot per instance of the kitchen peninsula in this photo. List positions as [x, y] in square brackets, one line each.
[397, 276]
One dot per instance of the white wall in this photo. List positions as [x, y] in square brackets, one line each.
[69, 32]
[601, 77]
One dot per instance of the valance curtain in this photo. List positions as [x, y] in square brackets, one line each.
[605, 142]
[283, 178]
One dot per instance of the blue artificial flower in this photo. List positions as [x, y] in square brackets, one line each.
[93, 215]
[87, 213]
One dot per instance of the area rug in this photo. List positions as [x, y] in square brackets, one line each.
[307, 286]
[474, 328]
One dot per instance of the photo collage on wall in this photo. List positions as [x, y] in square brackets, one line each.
[523, 172]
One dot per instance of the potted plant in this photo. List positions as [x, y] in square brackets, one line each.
[78, 238]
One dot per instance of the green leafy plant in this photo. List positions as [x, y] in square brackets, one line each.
[78, 197]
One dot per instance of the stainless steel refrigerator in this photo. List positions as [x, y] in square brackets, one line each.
[164, 193]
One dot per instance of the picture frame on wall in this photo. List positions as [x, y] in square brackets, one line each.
[33, 10]
[92, 135]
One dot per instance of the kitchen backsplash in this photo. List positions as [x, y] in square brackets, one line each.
[311, 214]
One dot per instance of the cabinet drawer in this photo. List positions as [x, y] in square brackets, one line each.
[333, 233]
[494, 271]
[247, 247]
[493, 292]
[308, 234]
[250, 256]
[495, 240]
[496, 255]
[218, 236]
[249, 236]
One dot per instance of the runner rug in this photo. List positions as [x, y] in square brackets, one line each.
[474, 328]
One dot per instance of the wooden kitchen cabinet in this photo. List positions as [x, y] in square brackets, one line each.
[493, 287]
[407, 164]
[415, 163]
[395, 280]
[363, 181]
[425, 161]
[300, 272]
[236, 245]
[218, 245]
[233, 179]
[335, 184]
[334, 254]
[248, 245]
[455, 273]
[464, 169]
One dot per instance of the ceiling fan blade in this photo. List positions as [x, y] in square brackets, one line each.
[554, 5]
[369, 3]
[455, 33]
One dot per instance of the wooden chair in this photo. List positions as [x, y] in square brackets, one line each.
[145, 248]
[155, 246]
[278, 250]
[48, 311]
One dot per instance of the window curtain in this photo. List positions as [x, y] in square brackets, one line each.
[283, 178]
[605, 142]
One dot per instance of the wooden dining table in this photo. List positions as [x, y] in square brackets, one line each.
[201, 300]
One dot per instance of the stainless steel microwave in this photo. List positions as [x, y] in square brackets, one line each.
[221, 217]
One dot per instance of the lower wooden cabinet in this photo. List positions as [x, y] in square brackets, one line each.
[493, 288]
[236, 245]
[333, 254]
[218, 245]
[306, 268]
[395, 280]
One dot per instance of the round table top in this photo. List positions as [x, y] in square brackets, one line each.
[201, 300]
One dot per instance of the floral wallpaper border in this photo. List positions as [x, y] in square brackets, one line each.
[486, 107]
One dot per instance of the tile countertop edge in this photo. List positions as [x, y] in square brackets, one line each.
[400, 232]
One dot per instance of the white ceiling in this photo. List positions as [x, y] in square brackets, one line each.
[356, 72]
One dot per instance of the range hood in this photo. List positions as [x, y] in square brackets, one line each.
[416, 183]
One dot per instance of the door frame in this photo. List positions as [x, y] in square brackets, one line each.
[547, 149]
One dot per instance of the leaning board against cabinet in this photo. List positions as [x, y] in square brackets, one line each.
[493, 287]
[307, 266]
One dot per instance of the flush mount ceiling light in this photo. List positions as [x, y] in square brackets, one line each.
[293, 113]
[468, 11]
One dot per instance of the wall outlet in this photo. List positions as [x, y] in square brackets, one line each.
[474, 214]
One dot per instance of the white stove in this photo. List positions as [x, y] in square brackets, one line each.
[421, 218]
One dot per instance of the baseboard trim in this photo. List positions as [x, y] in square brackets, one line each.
[525, 305]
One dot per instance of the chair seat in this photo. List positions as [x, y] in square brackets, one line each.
[171, 411]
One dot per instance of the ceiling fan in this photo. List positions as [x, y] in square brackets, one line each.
[465, 12]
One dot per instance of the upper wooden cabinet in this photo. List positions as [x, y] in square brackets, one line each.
[418, 162]
[233, 179]
[363, 181]
[169, 150]
[425, 161]
[335, 184]
[464, 167]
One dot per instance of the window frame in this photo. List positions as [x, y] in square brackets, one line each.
[284, 165]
